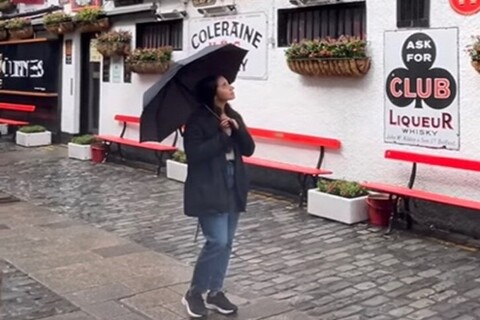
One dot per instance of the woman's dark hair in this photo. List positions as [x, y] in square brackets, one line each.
[206, 91]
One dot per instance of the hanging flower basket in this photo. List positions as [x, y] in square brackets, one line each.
[61, 27]
[150, 61]
[19, 28]
[345, 57]
[149, 67]
[330, 67]
[6, 6]
[476, 65]
[474, 51]
[58, 23]
[114, 43]
[3, 35]
[94, 26]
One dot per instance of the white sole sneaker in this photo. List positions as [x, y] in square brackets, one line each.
[220, 310]
[190, 313]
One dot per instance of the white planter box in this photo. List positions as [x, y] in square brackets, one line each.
[79, 151]
[176, 171]
[336, 208]
[3, 129]
[34, 139]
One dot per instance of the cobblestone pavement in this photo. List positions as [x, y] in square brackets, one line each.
[329, 270]
[22, 298]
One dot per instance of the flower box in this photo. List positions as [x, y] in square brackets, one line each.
[34, 139]
[176, 170]
[79, 151]
[330, 67]
[345, 210]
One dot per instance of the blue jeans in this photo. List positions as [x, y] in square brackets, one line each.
[219, 231]
[211, 267]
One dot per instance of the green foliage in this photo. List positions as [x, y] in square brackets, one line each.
[84, 139]
[18, 23]
[88, 15]
[114, 36]
[56, 18]
[32, 129]
[342, 188]
[179, 156]
[139, 55]
[343, 47]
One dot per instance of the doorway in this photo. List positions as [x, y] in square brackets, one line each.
[89, 85]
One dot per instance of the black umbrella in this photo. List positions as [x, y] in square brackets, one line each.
[170, 101]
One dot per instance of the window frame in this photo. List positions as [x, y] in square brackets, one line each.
[141, 27]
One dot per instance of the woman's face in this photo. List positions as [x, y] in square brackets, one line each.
[224, 90]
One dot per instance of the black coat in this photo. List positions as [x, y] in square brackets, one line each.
[205, 147]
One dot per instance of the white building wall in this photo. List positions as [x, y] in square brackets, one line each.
[350, 110]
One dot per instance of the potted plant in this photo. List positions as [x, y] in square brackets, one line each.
[33, 136]
[339, 200]
[345, 56]
[19, 28]
[58, 23]
[474, 52]
[80, 147]
[114, 43]
[177, 166]
[6, 5]
[3, 30]
[146, 60]
[91, 20]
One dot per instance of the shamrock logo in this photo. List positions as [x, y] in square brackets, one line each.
[419, 82]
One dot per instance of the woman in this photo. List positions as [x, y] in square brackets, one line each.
[216, 190]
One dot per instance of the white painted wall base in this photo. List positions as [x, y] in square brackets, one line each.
[3, 129]
[176, 171]
[336, 208]
[34, 139]
[79, 151]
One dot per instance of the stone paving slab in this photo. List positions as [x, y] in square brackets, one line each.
[326, 269]
[95, 275]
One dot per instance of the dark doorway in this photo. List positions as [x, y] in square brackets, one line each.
[89, 86]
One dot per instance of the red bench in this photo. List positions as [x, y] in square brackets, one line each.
[17, 108]
[397, 192]
[294, 139]
[127, 120]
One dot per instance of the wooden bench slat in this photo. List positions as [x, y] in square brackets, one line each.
[17, 107]
[423, 195]
[13, 122]
[146, 145]
[295, 138]
[284, 166]
[442, 161]
[127, 118]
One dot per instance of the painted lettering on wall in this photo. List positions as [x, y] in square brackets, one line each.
[21, 68]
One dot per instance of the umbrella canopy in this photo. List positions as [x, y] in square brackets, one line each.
[170, 101]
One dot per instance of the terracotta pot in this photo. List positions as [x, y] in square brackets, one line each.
[24, 33]
[113, 48]
[149, 67]
[330, 67]
[96, 26]
[61, 27]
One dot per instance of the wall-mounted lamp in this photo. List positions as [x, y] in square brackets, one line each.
[218, 10]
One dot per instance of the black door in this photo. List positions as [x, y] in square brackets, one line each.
[89, 86]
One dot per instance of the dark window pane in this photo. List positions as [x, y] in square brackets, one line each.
[160, 34]
[310, 23]
[413, 13]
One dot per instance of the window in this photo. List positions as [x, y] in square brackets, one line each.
[413, 13]
[311, 23]
[159, 34]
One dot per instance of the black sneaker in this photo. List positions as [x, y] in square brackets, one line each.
[220, 303]
[194, 304]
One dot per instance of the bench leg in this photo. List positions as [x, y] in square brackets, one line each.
[159, 156]
[108, 150]
[302, 179]
[393, 215]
